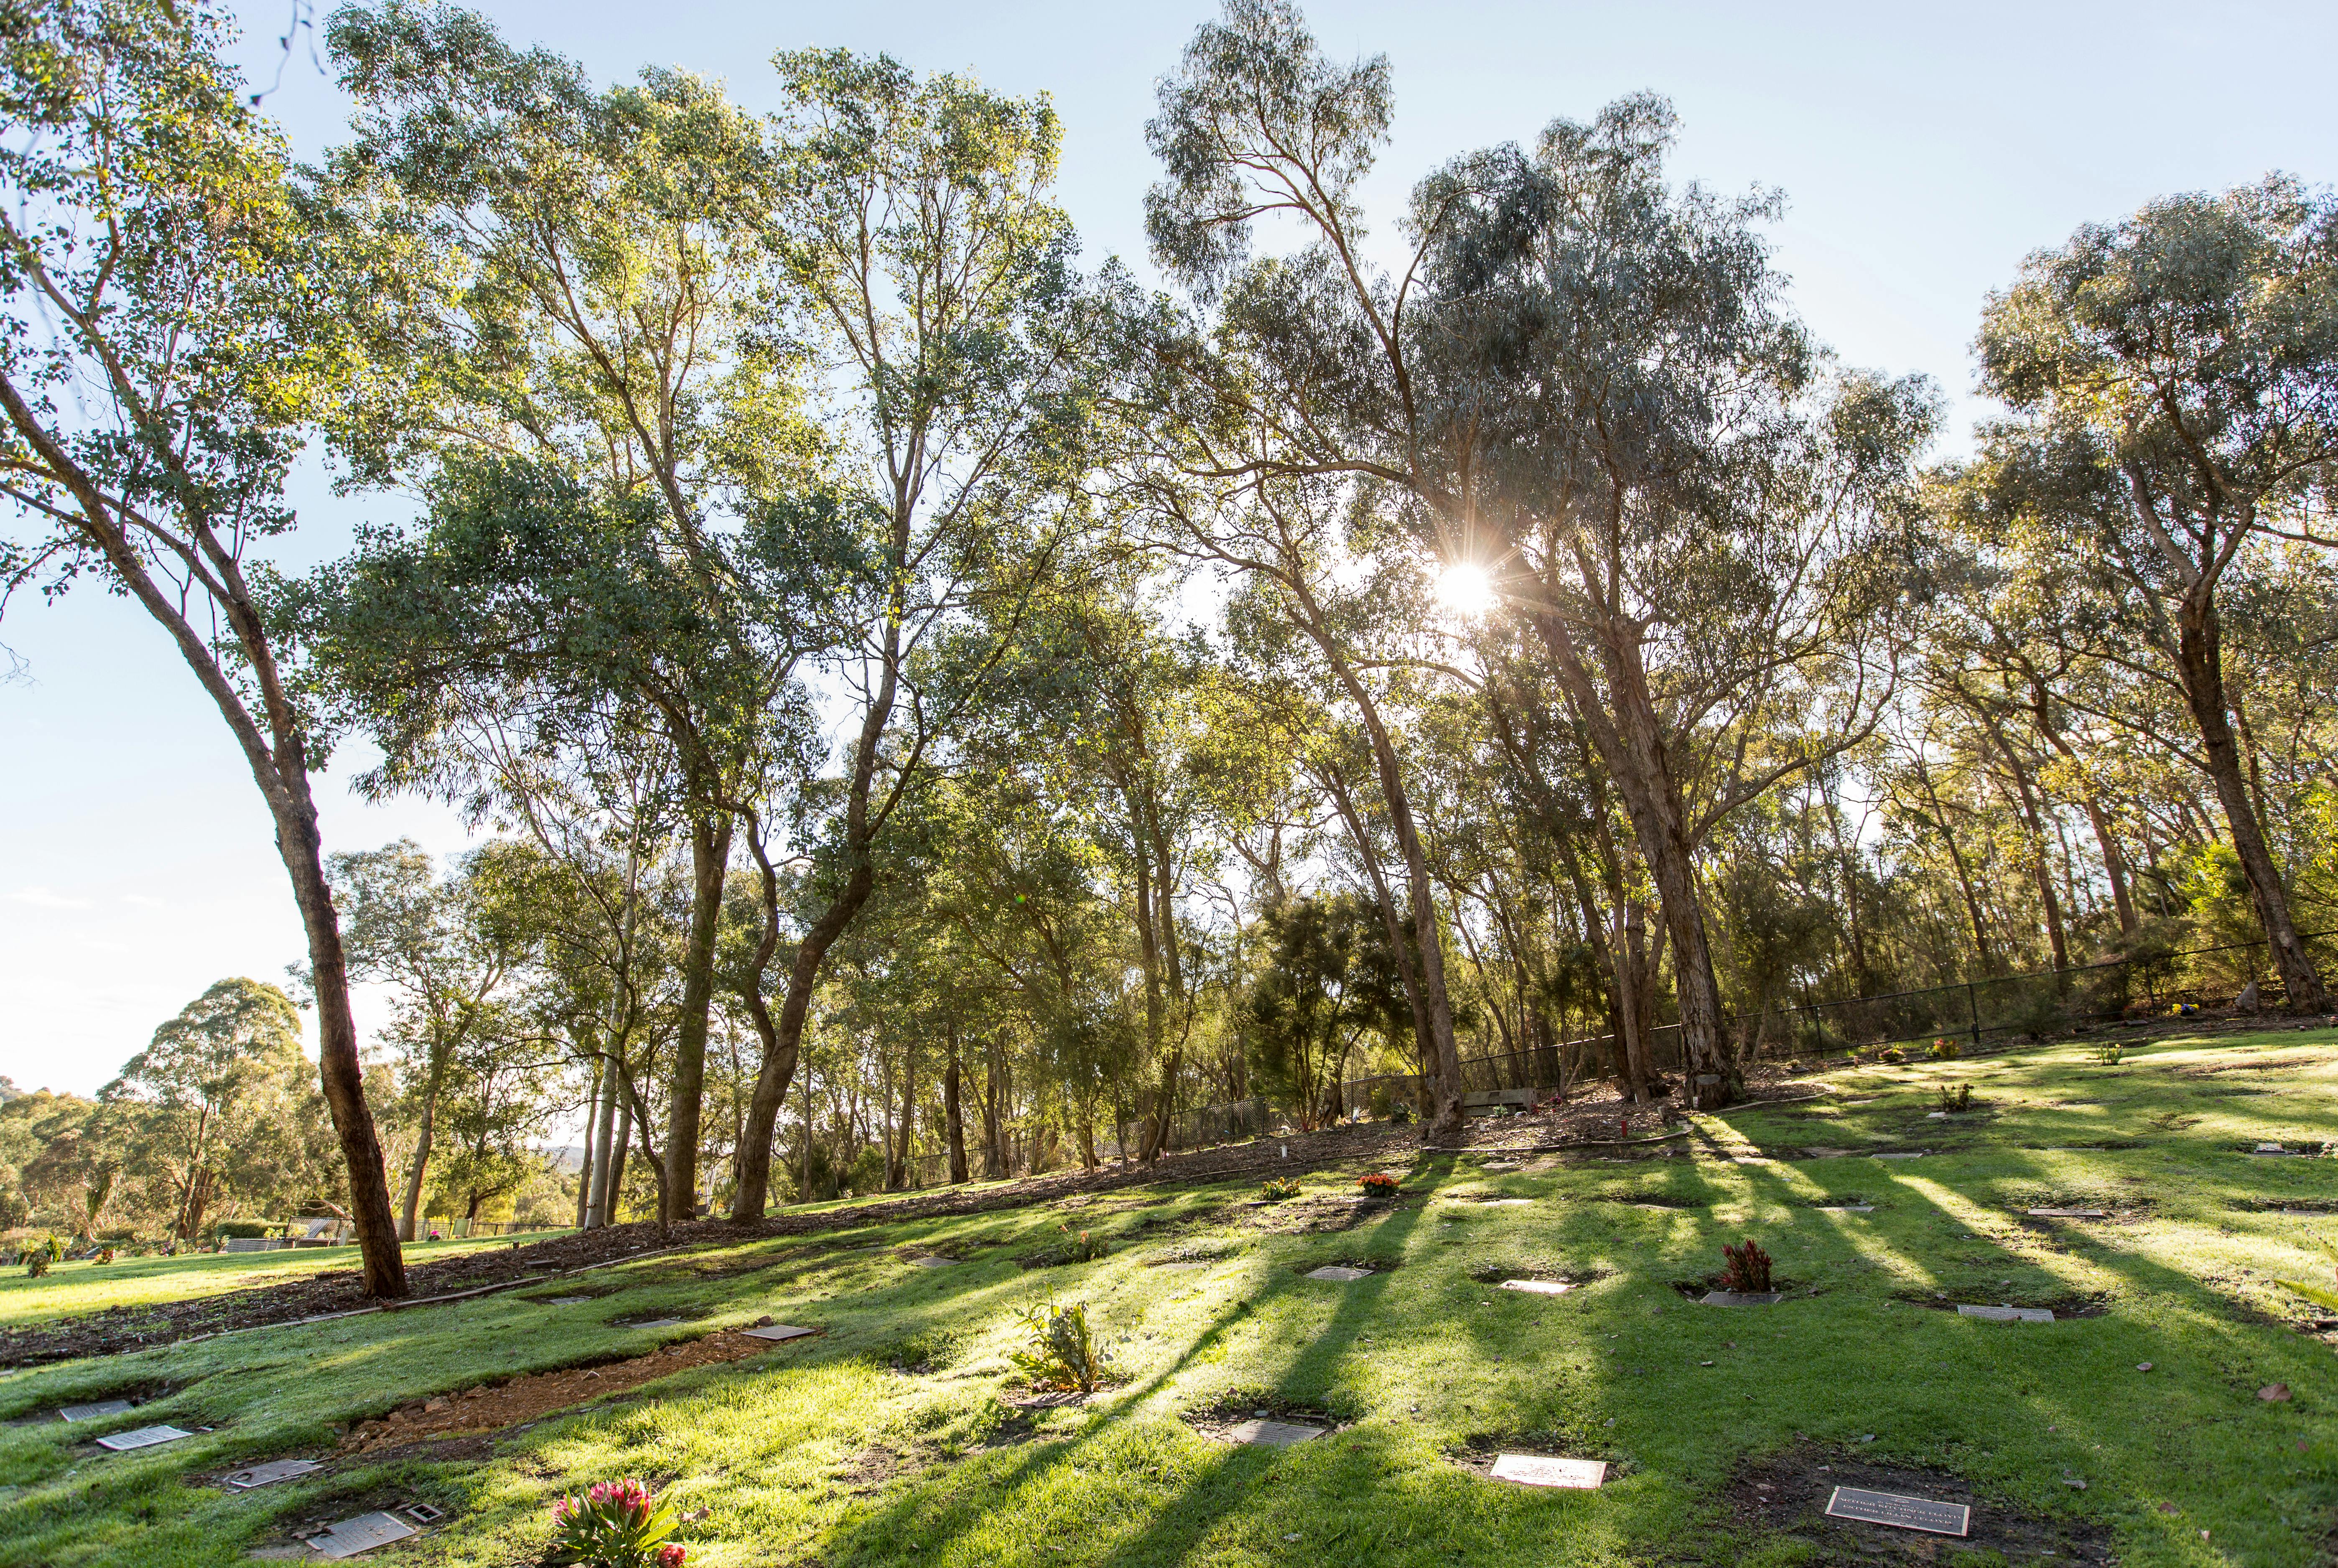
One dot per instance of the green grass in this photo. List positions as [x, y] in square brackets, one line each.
[829, 1451]
[72, 1289]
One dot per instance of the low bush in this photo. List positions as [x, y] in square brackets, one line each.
[2110, 1055]
[615, 1525]
[1061, 1352]
[1961, 1098]
[1378, 1184]
[1945, 1050]
[1277, 1189]
[1745, 1268]
[243, 1230]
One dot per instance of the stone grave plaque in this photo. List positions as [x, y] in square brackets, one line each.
[97, 1412]
[778, 1332]
[1539, 1287]
[268, 1474]
[659, 1323]
[1822, 1152]
[2007, 1314]
[1900, 1513]
[1272, 1434]
[1742, 1298]
[2068, 1214]
[144, 1437]
[1507, 1203]
[1536, 1470]
[935, 1262]
[1846, 1208]
[1909, 1154]
[566, 1300]
[1339, 1273]
[362, 1534]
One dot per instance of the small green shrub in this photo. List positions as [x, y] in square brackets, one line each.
[1892, 1053]
[36, 1260]
[1958, 1099]
[1277, 1189]
[243, 1230]
[1378, 1184]
[2110, 1055]
[616, 1524]
[1945, 1050]
[1745, 1268]
[1061, 1353]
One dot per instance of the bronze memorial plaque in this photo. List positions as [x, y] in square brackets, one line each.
[1900, 1513]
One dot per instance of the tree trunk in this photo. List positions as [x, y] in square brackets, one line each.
[607, 1143]
[2200, 648]
[1629, 739]
[953, 1111]
[584, 1165]
[199, 1197]
[612, 1188]
[993, 1153]
[414, 1177]
[709, 860]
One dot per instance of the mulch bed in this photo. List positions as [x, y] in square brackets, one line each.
[491, 1407]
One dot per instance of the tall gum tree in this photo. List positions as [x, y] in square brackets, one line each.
[565, 289]
[1581, 383]
[2176, 374]
[930, 274]
[166, 334]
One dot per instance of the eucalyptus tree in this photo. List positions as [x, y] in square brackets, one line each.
[216, 1096]
[445, 951]
[168, 325]
[929, 275]
[2175, 376]
[568, 297]
[1578, 381]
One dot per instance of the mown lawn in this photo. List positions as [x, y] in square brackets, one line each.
[891, 1440]
[72, 1289]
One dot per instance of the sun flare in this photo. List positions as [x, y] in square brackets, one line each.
[1466, 588]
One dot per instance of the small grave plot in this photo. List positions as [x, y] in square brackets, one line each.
[1652, 1201]
[1537, 1459]
[353, 1525]
[1785, 1497]
[1193, 1255]
[254, 1476]
[2060, 1308]
[491, 1407]
[1533, 1279]
[1709, 1292]
[1323, 1213]
[661, 1320]
[142, 1437]
[106, 1401]
[1263, 1421]
[1345, 1270]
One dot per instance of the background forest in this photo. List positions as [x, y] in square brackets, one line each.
[933, 708]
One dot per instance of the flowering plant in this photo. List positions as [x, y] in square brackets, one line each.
[1277, 1189]
[1378, 1184]
[615, 1525]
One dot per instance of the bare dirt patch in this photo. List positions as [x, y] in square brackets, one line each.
[492, 1408]
[1785, 1497]
[1217, 1420]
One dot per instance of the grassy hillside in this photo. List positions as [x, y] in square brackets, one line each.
[900, 1436]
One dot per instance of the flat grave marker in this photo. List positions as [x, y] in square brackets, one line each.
[1184, 1266]
[1900, 1512]
[566, 1300]
[1539, 1470]
[1506, 1203]
[1272, 1434]
[144, 1437]
[659, 1323]
[778, 1333]
[935, 1262]
[362, 1534]
[2006, 1314]
[268, 1474]
[1823, 1151]
[1339, 1274]
[1742, 1298]
[1539, 1287]
[97, 1412]
[1846, 1208]
[1909, 1154]
[2068, 1214]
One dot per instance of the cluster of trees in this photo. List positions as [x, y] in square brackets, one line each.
[220, 1119]
[938, 711]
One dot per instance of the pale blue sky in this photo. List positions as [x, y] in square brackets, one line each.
[1923, 151]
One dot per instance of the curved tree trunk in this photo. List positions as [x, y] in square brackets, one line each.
[2200, 649]
[709, 858]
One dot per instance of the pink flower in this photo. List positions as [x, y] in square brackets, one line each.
[669, 1556]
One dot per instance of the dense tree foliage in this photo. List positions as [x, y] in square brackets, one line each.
[931, 712]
